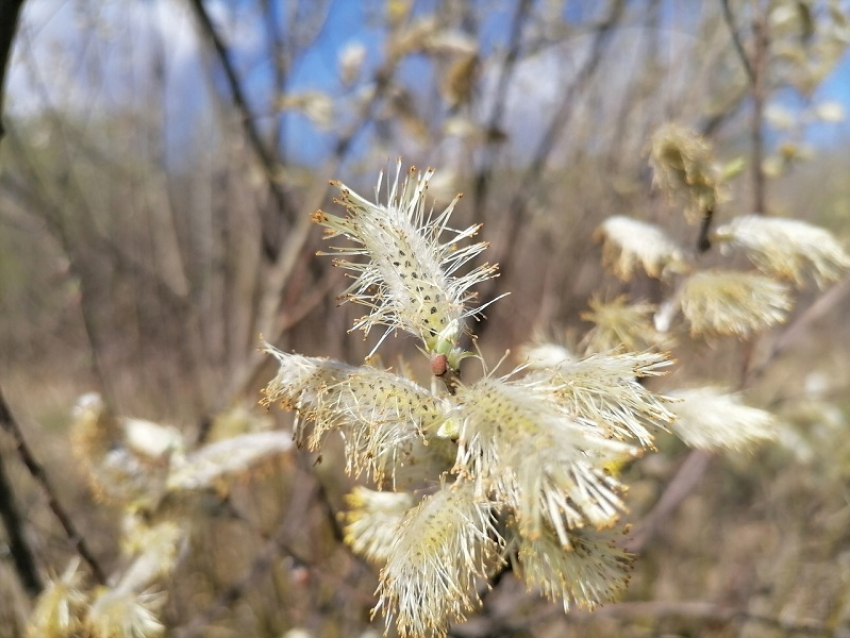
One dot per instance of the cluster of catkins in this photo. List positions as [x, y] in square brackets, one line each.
[472, 478]
[506, 471]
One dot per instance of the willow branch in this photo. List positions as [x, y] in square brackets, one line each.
[736, 41]
[686, 479]
[36, 470]
[482, 179]
[23, 557]
[755, 67]
[9, 13]
[267, 159]
[530, 181]
[802, 322]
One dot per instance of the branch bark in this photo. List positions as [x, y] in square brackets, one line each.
[10, 11]
[23, 557]
[36, 470]
[267, 158]
[755, 66]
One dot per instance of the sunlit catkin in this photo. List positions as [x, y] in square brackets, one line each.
[529, 452]
[408, 275]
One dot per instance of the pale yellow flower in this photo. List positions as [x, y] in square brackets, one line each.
[521, 446]
[591, 571]
[153, 550]
[122, 614]
[628, 243]
[235, 455]
[543, 354]
[787, 247]
[729, 302]
[603, 389]
[684, 169]
[713, 419]
[60, 607]
[445, 544]
[380, 414]
[620, 325]
[373, 521]
[407, 277]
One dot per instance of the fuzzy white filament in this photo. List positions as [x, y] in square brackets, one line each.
[603, 389]
[713, 419]
[380, 414]
[520, 445]
[729, 302]
[786, 247]
[60, 606]
[406, 272]
[628, 243]
[684, 169]
[621, 325]
[373, 521]
[444, 545]
[118, 614]
[591, 572]
[233, 455]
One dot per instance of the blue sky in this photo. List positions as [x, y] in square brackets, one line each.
[56, 28]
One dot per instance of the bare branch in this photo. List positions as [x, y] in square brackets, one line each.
[736, 41]
[686, 479]
[266, 157]
[36, 470]
[22, 554]
[9, 13]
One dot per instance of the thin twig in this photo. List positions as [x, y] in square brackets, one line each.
[686, 479]
[9, 13]
[705, 611]
[36, 470]
[533, 175]
[695, 466]
[197, 625]
[267, 159]
[736, 41]
[798, 327]
[755, 67]
[275, 544]
[653, 609]
[704, 238]
[23, 557]
[760, 37]
[485, 173]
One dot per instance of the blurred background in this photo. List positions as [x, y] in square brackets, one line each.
[160, 164]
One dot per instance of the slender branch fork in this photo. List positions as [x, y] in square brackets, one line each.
[267, 159]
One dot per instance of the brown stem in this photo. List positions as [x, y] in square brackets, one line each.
[756, 69]
[686, 479]
[267, 158]
[757, 122]
[704, 240]
[736, 41]
[529, 184]
[36, 470]
[9, 12]
[485, 174]
[798, 326]
[22, 554]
